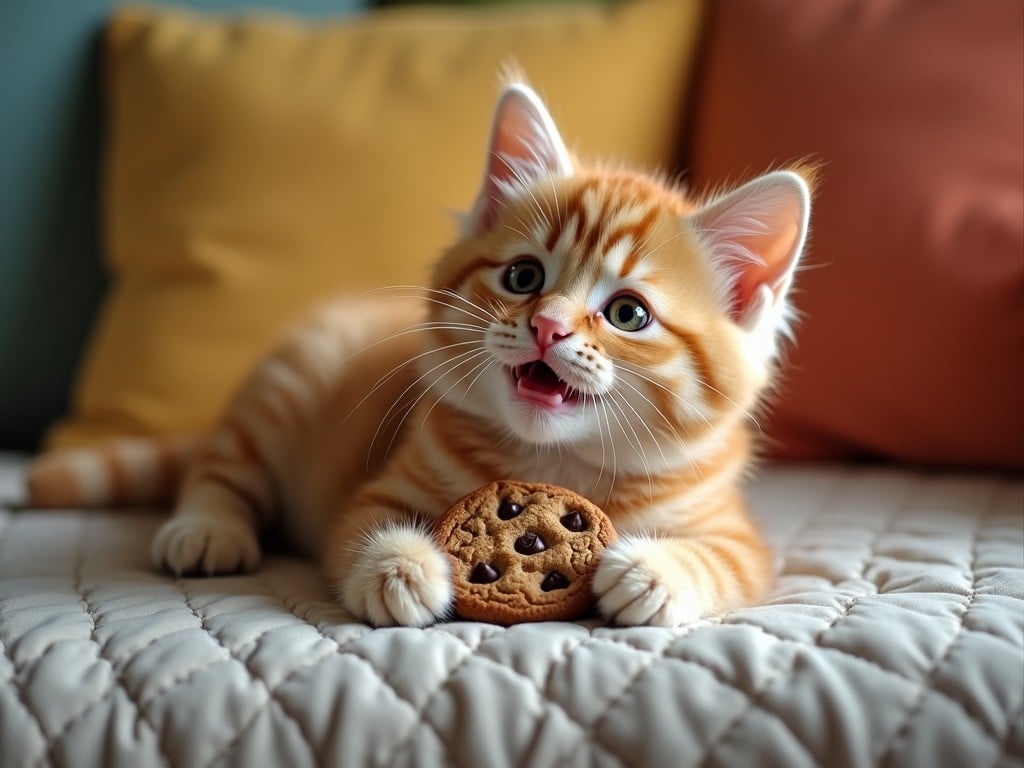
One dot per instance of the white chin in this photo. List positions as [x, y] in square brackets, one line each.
[541, 426]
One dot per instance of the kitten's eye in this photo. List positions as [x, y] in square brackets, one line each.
[525, 276]
[627, 313]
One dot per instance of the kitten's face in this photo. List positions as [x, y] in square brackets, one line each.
[600, 322]
[602, 310]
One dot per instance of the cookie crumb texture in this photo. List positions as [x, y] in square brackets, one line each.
[524, 552]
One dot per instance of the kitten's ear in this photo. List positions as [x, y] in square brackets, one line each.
[525, 145]
[756, 235]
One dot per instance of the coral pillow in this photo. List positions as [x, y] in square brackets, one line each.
[259, 165]
[912, 342]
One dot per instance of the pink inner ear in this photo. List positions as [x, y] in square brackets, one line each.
[756, 234]
[525, 145]
[777, 253]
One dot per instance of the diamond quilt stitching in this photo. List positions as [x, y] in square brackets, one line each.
[117, 680]
[902, 731]
[256, 678]
[402, 741]
[903, 676]
[572, 717]
[823, 588]
[757, 696]
[593, 732]
[338, 648]
[20, 693]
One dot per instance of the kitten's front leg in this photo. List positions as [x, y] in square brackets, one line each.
[211, 533]
[674, 581]
[386, 567]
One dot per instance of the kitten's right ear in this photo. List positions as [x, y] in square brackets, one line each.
[525, 146]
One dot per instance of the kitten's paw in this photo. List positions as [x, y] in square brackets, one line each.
[638, 582]
[207, 545]
[400, 577]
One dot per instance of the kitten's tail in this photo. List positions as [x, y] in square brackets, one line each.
[125, 471]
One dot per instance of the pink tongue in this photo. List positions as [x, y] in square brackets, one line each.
[540, 384]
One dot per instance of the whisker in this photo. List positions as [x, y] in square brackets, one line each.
[387, 417]
[474, 381]
[395, 371]
[415, 328]
[686, 403]
[462, 378]
[451, 325]
[459, 360]
[453, 361]
[744, 411]
[668, 422]
[458, 309]
[611, 441]
[636, 446]
[645, 425]
[680, 441]
[428, 294]
[456, 295]
[689, 405]
[600, 474]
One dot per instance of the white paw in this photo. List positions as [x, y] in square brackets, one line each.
[399, 577]
[638, 582]
[208, 545]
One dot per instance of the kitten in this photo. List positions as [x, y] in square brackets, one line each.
[592, 328]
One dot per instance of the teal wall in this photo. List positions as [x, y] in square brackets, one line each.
[51, 277]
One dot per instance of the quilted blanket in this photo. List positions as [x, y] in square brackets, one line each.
[895, 636]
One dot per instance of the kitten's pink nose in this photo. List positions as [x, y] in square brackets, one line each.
[549, 330]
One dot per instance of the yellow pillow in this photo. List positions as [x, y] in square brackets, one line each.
[257, 165]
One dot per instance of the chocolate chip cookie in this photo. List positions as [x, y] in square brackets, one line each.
[523, 552]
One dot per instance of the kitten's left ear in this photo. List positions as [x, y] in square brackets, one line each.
[756, 235]
[525, 146]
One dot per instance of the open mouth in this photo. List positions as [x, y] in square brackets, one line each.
[537, 383]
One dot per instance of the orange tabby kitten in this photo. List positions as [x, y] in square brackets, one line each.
[591, 328]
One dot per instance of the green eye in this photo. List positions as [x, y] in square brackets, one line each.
[525, 276]
[627, 313]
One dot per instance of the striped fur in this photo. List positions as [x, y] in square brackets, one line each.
[128, 471]
[371, 420]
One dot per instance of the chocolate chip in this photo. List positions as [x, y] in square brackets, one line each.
[554, 580]
[484, 574]
[574, 522]
[508, 509]
[530, 544]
